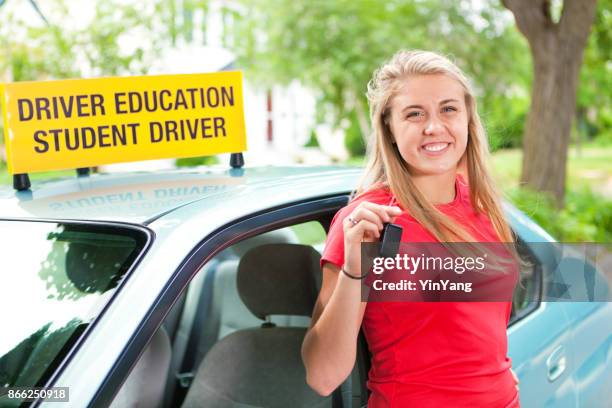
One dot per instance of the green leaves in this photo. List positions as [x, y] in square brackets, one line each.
[594, 113]
[118, 39]
[334, 47]
[586, 217]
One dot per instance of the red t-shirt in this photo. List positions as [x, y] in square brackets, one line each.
[434, 354]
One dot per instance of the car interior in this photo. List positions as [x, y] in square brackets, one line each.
[233, 339]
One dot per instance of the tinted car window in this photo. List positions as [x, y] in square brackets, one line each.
[526, 296]
[55, 280]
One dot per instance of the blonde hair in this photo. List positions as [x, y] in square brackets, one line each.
[387, 166]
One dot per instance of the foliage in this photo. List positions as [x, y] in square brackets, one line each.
[102, 45]
[56, 50]
[177, 24]
[33, 50]
[292, 40]
[353, 138]
[26, 363]
[309, 233]
[587, 217]
[312, 140]
[594, 102]
[504, 119]
[196, 161]
[113, 24]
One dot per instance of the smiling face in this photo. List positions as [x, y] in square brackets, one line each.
[429, 123]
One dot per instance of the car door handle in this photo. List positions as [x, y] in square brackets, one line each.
[556, 363]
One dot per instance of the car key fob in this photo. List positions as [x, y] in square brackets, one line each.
[390, 240]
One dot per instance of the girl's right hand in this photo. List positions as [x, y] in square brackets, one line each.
[364, 224]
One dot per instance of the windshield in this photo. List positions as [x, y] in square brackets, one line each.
[55, 279]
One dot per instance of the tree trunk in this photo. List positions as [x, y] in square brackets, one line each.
[549, 122]
[557, 50]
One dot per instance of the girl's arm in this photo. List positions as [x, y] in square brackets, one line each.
[330, 345]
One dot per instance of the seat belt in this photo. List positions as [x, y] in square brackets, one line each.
[196, 309]
[204, 305]
[337, 401]
[363, 364]
[344, 393]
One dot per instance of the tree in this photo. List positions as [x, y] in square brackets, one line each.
[557, 49]
[594, 105]
[334, 47]
[46, 47]
[116, 38]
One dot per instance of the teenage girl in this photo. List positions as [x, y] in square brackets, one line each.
[429, 155]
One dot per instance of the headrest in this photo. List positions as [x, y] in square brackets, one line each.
[279, 279]
[271, 237]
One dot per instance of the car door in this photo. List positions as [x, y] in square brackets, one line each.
[224, 312]
[591, 351]
[539, 336]
[590, 322]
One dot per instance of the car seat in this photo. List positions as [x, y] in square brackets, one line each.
[212, 310]
[262, 366]
[144, 387]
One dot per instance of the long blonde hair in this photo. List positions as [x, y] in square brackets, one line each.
[387, 166]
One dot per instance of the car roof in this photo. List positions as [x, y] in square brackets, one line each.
[141, 197]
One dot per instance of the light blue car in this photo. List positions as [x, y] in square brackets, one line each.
[194, 288]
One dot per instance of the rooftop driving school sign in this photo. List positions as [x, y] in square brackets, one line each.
[68, 124]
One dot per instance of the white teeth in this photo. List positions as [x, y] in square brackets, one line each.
[435, 147]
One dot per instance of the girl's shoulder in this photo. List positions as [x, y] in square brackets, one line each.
[380, 193]
[377, 194]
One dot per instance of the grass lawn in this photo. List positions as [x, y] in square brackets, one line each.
[7, 179]
[593, 167]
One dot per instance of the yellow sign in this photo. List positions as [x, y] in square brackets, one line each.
[68, 124]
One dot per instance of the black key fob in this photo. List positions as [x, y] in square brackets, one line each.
[390, 240]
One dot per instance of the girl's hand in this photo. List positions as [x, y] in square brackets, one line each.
[364, 225]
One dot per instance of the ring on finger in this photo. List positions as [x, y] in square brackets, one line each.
[353, 221]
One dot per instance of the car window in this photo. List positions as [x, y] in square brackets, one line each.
[310, 233]
[56, 278]
[228, 309]
[526, 297]
[216, 314]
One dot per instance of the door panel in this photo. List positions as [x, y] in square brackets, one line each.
[538, 347]
[591, 350]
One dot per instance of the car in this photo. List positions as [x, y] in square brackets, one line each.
[193, 287]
